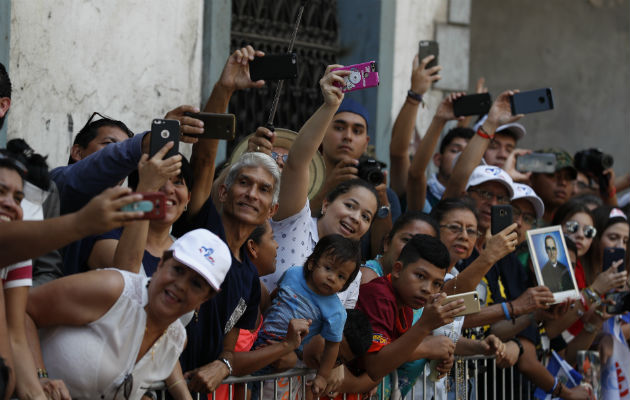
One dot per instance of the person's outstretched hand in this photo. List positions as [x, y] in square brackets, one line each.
[235, 75]
[333, 96]
[421, 78]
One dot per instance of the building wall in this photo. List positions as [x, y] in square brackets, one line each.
[579, 48]
[131, 60]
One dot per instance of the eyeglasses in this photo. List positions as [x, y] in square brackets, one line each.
[275, 156]
[458, 229]
[589, 231]
[488, 196]
[126, 387]
[529, 219]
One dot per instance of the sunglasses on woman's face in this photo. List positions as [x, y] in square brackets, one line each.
[589, 231]
[125, 387]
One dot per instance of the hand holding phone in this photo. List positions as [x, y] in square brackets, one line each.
[544, 163]
[612, 254]
[152, 205]
[362, 76]
[427, 48]
[471, 302]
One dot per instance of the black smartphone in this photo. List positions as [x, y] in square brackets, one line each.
[162, 132]
[427, 48]
[544, 163]
[612, 254]
[622, 302]
[501, 218]
[532, 101]
[274, 67]
[215, 126]
[472, 104]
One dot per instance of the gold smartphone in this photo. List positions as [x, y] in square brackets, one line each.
[471, 301]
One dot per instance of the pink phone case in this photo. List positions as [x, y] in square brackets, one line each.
[362, 76]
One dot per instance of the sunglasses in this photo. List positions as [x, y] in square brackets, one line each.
[108, 118]
[275, 156]
[589, 231]
[126, 387]
[4, 159]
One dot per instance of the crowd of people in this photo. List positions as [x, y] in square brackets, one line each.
[251, 271]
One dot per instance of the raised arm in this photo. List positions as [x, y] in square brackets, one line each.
[20, 240]
[500, 114]
[416, 177]
[235, 76]
[294, 183]
[421, 80]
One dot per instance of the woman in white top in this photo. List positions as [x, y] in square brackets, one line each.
[348, 210]
[110, 334]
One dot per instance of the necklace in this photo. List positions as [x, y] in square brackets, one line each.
[155, 344]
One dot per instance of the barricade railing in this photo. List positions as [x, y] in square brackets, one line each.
[482, 380]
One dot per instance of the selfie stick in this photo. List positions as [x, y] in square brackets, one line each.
[276, 96]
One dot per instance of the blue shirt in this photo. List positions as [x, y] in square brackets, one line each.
[235, 306]
[79, 182]
[296, 300]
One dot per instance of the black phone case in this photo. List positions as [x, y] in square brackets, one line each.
[274, 67]
[162, 132]
[215, 126]
[426, 48]
[532, 101]
[612, 254]
[501, 218]
[472, 104]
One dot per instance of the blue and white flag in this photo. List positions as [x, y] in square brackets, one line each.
[616, 371]
[561, 370]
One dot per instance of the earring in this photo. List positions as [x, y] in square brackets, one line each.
[196, 316]
[186, 207]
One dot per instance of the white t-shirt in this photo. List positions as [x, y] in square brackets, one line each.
[93, 360]
[297, 236]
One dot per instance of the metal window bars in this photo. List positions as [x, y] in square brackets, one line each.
[482, 381]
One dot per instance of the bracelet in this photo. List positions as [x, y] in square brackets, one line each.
[175, 383]
[42, 373]
[612, 191]
[505, 311]
[512, 315]
[227, 364]
[557, 389]
[414, 95]
[520, 346]
[482, 132]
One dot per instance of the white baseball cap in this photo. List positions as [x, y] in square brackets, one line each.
[490, 173]
[206, 254]
[522, 191]
[517, 129]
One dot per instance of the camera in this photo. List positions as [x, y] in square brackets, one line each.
[592, 161]
[371, 170]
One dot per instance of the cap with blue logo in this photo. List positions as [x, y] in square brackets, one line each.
[489, 173]
[522, 191]
[205, 253]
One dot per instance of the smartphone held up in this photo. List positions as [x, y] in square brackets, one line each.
[152, 205]
[162, 132]
[429, 48]
[531, 101]
[362, 76]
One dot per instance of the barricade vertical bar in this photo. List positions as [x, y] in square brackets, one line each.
[198, 396]
[520, 386]
[245, 391]
[230, 392]
[485, 375]
[424, 383]
[214, 396]
[512, 382]
[465, 378]
[383, 389]
[260, 395]
[291, 386]
[503, 382]
[303, 382]
[275, 388]
[494, 379]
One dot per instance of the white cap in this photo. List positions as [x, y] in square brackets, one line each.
[206, 254]
[525, 192]
[514, 127]
[490, 173]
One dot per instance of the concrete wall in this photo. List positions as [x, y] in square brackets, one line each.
[579, 48]
[131, 60]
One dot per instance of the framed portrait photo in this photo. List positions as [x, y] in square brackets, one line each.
[551, 262]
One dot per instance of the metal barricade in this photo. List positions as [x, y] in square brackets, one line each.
[482, 380]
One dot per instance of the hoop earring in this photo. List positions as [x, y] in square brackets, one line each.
[196, 316]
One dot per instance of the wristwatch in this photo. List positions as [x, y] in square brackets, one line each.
[227, 364]
[383, 212]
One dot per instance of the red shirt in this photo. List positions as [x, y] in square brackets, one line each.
[377, 300]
